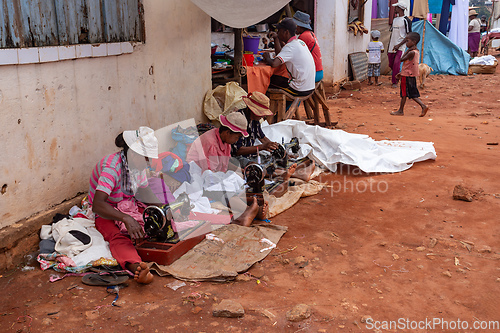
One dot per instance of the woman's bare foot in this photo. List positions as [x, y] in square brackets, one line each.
[291, 170]
[142, 273]
[397, 113]
[247, 217]
[263, 211]
[424, 111]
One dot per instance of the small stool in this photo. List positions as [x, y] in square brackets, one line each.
[278, 98]
[312, 105]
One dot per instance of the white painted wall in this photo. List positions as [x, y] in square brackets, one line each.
[335, 40]
[58, 119]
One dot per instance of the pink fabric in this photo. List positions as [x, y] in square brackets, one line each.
[209, 152]
[67, 261]
[410, 67]
[129, 207]
[106, 177]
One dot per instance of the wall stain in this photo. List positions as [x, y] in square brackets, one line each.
[53, 149]
[49, 95]
[31, 152]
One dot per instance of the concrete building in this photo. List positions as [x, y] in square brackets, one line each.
[59, 118]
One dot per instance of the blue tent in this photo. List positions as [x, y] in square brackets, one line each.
[440, 53]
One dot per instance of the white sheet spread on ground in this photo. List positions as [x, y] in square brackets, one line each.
[330, 147]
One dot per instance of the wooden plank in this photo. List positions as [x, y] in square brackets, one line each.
[134, 18]
[111, 23]
[359, 64]
[11, 28]
[95, 21]
[39, 17]
[124, 19]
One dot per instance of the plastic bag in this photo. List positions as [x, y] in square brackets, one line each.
[223, 100]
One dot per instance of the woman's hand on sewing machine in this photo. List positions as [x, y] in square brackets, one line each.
[133, 227]
[269, 145]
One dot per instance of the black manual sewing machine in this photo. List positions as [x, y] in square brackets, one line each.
[158, 220]
[265, 165]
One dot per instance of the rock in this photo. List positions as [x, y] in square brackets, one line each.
[395, 256]
[243, 278]
[228, 309]
[462, 193]
[352, 85]
[461, 270]
[47, 322]
[433, 242]
[420, 249]
[196, 310]
[498, 279]
[298, 313]
[484, 249]
[446, 273]
[305, 273]
[382, 244]
[316, 248]
[366, 319]
[379, 132]
[299, 260]
[466, 94]
[420, 266]
[343, 252]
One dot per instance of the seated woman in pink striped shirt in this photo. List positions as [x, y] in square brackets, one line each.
[115, 180]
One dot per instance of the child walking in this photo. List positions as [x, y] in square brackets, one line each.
[374, 50]
[408, 75]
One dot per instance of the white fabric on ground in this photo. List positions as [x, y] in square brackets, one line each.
[194, 190]
[329, 147]
[484, 60]
[240, 14]
[99, 248]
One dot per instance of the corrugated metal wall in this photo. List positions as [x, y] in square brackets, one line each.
[34, 23]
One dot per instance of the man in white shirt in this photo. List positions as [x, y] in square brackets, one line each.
[297, 58]
[474, 36]
[400, 28]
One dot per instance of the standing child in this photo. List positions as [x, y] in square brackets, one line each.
[374, 50]
[408, 75]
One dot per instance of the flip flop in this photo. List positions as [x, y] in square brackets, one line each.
[103, 280]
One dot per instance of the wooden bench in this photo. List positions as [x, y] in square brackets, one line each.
[279, 97]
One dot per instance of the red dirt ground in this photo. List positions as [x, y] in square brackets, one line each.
[363, 247]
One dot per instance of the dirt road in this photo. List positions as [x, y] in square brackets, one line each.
[368, 242]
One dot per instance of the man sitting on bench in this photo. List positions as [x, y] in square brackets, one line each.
[297, 58]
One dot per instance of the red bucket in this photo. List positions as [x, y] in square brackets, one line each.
[248, 59]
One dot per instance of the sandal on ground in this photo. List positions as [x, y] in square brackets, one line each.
[103, 280]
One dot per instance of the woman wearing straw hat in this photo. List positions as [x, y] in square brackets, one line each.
[212, 151]
[257, 108]
[114, 180]
[474, 33]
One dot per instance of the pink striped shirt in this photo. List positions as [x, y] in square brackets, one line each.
[106, 177]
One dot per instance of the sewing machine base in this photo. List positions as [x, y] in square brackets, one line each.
[166, 253]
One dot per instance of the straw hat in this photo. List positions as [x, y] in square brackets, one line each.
[258, 103]
[142, 141]
[236, 121]
[472, 12]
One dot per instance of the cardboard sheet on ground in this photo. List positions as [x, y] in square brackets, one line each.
[292, 196]
[213, 260]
